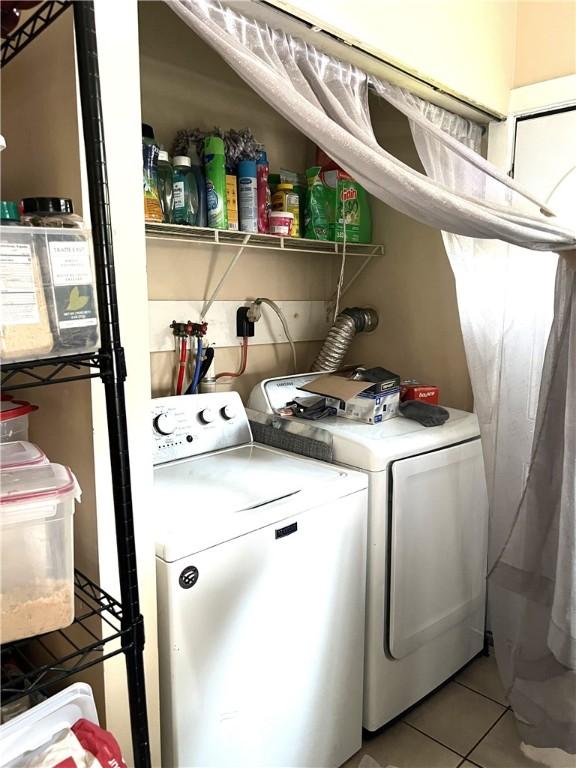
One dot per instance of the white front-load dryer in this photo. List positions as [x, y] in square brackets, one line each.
[427, 534]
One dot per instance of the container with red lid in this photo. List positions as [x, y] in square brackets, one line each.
[36, 550]
[14, 419]
[21, 454]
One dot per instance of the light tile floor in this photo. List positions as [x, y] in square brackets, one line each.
[466, 723]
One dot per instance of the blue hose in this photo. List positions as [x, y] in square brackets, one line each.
[192, 389]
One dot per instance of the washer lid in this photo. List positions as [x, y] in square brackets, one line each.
[214, 498]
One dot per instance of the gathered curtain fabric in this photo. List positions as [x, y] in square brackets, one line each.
[493, 231]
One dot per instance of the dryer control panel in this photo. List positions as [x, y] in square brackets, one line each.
[189, 425]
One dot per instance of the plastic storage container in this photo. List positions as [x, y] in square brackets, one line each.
[32, 729]
[37, 550]
[281, 223]
[47, 292]
[286, 199]
[20, 453]
[9, 213]
[14, 419]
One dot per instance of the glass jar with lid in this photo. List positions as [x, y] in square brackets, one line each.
[48, 212]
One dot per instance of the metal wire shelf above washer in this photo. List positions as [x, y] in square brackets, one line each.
[45, 660]
[221, 237]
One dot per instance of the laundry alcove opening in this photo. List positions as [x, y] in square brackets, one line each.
[478, 208]
[185, 83]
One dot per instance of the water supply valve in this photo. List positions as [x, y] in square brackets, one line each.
[186, 330]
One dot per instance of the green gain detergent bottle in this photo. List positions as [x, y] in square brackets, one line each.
[215, 170]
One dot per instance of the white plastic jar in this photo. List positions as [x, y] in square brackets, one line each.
[281, 223]
[36, 550]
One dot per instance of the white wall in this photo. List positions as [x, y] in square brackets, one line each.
[546, 41]
[467, 47]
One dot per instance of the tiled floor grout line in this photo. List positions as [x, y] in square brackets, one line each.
[468, 761]
[445, 746]
[486, 734]
[451, 749]
[479, 693]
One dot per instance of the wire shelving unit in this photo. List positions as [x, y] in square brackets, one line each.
[103, 627]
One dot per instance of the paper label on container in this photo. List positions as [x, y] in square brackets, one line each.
[178, 194]
[18, 301]
[73, 285]
[70, 261]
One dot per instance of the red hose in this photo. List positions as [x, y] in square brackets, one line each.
[181, 367]
[243, 362]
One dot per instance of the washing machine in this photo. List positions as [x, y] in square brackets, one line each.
[427, 541]
[261, 567]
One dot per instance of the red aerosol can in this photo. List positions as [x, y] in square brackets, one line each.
[263, 192]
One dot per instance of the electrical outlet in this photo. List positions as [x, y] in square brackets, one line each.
[244, 327]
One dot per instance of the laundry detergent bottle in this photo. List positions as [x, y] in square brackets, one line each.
[215, 170]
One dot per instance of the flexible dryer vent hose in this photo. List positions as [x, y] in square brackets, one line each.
[348, 323]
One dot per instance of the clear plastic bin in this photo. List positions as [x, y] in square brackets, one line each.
[14, 420]
[47, 293]
[36, 550]
[21, 454]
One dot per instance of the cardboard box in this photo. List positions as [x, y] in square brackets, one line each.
[367, 401]
[368, 408]
[412, 390]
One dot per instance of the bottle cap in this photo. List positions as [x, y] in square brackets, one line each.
[247, 168]
[147, 131]
[9, 211]
[163, 155]
[46, 205]
[262, 157]
[182, 160]
[213, 145]
[285, 187]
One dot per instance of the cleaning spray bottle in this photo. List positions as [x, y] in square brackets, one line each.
[215, 170]
[247, 196]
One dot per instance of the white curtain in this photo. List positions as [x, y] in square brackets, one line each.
[488, 222]
[328, 101]
[508, 301]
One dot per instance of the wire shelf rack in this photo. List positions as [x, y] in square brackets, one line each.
[50, 370]
[208, 236]
[30, 29]
[36, 664]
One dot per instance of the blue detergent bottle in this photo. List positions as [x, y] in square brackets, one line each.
[202, 213]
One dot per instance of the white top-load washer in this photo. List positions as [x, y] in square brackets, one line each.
[427, 531]
[261, 559]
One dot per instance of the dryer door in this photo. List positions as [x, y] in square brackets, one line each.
[439, 521]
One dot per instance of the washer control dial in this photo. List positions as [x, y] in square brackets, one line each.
[207, 416]
[165, 423]
[228, 412]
